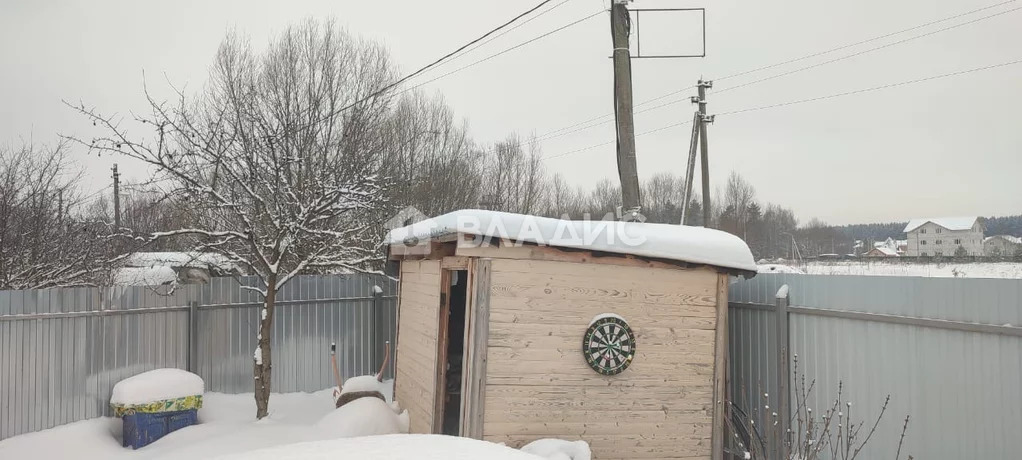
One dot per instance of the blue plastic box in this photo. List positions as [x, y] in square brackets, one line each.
[141, 429]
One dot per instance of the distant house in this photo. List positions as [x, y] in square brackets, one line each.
[1002, 245]
[898, 246]
[161, 268]
[936, 237]
[882, 251]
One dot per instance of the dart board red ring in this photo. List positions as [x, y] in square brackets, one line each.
[609, 345]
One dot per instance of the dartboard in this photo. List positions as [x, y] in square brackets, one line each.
[609, 345]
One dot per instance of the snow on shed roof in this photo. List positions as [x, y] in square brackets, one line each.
[950, 223]
[674, 242]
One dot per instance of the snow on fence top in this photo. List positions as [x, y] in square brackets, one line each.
[950, 223]
[674, 242]
[157, 385]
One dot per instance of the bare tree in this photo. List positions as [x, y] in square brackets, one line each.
[662, 197]
[738, 196]
[281, 179]
[514, 177]
[43, 242]
[430, 161]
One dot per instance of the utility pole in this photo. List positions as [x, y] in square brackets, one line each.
[705, 149]
[699, 122]
[690, 170]
[117, 198]
[620, 28]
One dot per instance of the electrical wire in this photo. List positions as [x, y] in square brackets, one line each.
[862, 42]
[866, 90]
[452, 53]
[870, 50]
[771, 66]
[481, 44]
[802, 101]
[436, 62]
[480, 61]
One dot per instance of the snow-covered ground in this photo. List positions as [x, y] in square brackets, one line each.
[877, 268]
[391, 447]
[227, 425]
[298, 428]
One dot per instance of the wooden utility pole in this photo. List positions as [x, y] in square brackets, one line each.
[704, 149]
[117, 198]
[620, 28]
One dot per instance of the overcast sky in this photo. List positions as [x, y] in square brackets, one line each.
[951, 146]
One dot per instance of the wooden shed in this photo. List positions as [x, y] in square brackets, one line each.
[513, 328]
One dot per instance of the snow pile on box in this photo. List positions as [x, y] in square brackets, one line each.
[696, 245]
[559, 449]
[156, 385]
[390, 447]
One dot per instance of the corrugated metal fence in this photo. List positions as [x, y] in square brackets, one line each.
[62, 350]
[947, 350]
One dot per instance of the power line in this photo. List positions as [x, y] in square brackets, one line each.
[875, 88]
[862, 42]
[480, 61]
[436, 62]
[452, 53]
[548, 134]
[870, 50]
[481, 44]
[802, 101]
[655, 130]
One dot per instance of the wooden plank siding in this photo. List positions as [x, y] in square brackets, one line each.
[539, 386]
[416, 357]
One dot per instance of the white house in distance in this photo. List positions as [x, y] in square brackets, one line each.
[1002, 245]
[943, 236]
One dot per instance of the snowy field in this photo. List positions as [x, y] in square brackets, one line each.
[937, 270]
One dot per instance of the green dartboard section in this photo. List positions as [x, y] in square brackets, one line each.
[609, 345]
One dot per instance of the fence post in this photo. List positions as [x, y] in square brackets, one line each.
[783, 395]
[193, 322]
[376, 326]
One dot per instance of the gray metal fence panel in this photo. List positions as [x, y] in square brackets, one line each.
[960, 379]
[62, 350]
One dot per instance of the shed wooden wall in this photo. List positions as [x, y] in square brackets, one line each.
[539, 386]
[418, 318]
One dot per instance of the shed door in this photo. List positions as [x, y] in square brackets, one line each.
[415, 385]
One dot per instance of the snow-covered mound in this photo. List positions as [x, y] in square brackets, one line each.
[366, 416]
[390, 447]
[559, 449]
[157, 385]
